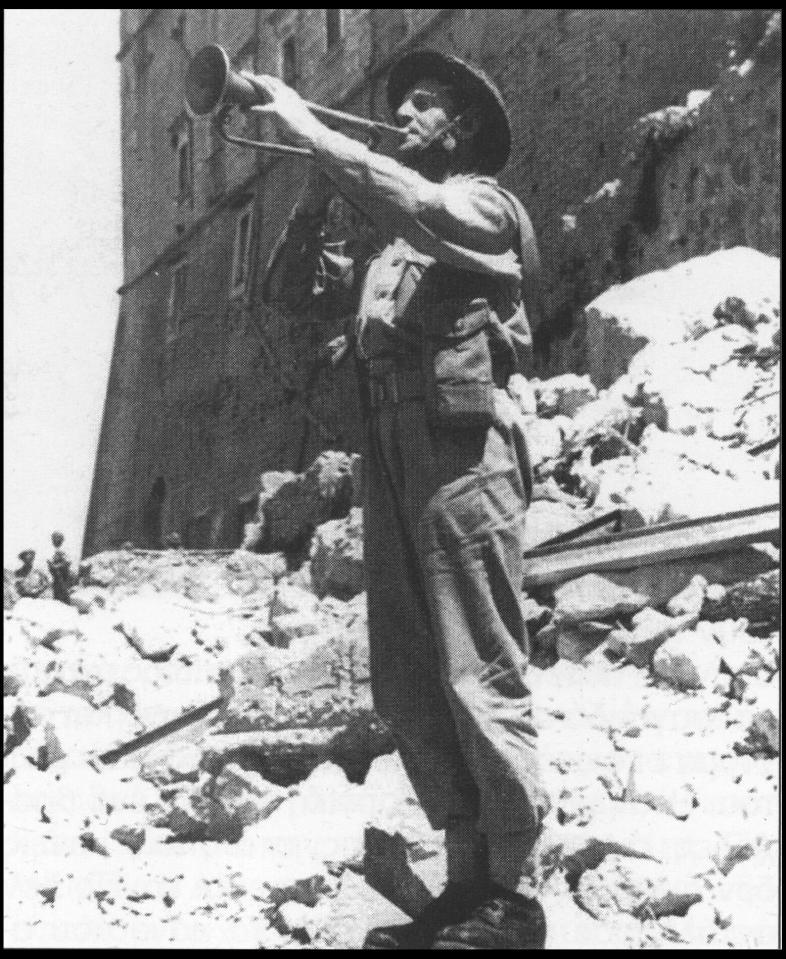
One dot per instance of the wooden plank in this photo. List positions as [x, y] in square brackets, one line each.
[160, 732]
[652, 544]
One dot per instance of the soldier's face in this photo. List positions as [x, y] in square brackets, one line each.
[424, 113]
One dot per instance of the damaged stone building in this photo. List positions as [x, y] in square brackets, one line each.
[208, 387]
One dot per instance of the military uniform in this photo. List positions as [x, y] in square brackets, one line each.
[441, 326]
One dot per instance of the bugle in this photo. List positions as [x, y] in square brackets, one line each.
[212, 87]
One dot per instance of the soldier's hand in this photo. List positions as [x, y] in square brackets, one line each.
[296, 123]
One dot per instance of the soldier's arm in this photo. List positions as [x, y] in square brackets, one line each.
[442, 220]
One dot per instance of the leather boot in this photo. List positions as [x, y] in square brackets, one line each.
[451, 906]
[503, 920]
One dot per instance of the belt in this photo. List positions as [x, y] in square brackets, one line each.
[394, 386]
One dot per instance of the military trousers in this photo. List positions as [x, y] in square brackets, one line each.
[444, 513]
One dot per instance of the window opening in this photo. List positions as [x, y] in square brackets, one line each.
[241, 256]
[289, 62]
[333, 27]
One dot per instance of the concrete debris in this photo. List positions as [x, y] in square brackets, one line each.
[337, 556]
[545, 442]
[763, 735]
[622, 884]
[661, 781]
[594, 597]
[564, 395]
[244, 795]
[574, 645]
[87, 598]
[650, 630]
[689, 660]
[656, 689]
[153, 626]
[522, 390]
[286, 628]
[741, 653]
[45, 621]
[746, 904]
[171, 763]
[672, 306]
[758, 600]
[690, 599]
[292, 505]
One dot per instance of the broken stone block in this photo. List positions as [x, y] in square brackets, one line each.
[672, 306]
[245, 795]
[689, 660]
[286, 628]
[303, 501]
[690, 599]
[747, 904]
[545, 440]
[716, 593]
[522, 391]
[594, 597]
[129, 834]
[87, 598]
[747, 689]
[757, 600]
[636, 886]
[301, 922]
[661, 782]
[289, 598]
[650, 630]
[45, 621]
[172, 763]
[564, 395]
[337, 566]
[741, 653]
[316, 709]
[64, 725]
[662, 581]
[153, 626]
[191, 813]
[574, 645]
[577, 804]
[763, 734]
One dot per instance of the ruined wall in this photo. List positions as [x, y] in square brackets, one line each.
[191, 420]
[691, 179]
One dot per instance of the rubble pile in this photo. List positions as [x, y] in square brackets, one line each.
[274, 820]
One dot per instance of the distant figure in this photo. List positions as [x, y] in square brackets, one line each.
[60, 570]
[173, 541]
[30, 582]
[127, 546]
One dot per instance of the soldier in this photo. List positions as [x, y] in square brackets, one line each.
[60, 570]
[442, 324]
[30, 582]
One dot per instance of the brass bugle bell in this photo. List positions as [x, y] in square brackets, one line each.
[211, 86]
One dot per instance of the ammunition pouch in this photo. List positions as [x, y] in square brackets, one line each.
[457, 365]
